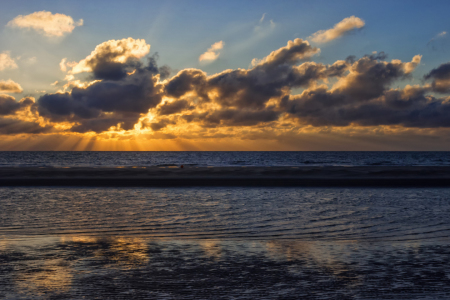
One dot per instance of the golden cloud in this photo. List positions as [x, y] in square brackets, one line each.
[112, 51]
[213, 52]
[10, 86]
[6, 62]
[339, 29]
[44, 22]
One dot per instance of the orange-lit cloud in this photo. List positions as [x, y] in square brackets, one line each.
[9, 86]
[64, 64]
[111, 53]
[213, 52]
[130, 105]
[6, 62]
[339, 29]
[441, 78]
[46, 23]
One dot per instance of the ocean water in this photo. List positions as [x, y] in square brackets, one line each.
[226, 158]
[224, 243]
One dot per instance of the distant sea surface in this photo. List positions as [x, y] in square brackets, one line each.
[225, 158]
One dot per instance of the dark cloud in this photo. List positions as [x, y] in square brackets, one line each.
[152, 66]
[126, 90]
[9, 106]
[441, 78]
[271, 78]
[104, 122]
[409, 108]
[194, 117]
[10, 86]
[174, 107]
[258, 96]
[15, 126]
[377, 56]
[369, 78]
[233, 117]
[156, 126]
[111, 101]
[186, 81]
[105, 69]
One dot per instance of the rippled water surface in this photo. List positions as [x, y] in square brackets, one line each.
[219, 243]
[224, 158]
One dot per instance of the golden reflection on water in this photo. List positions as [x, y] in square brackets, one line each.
[211, 248]
[329, 259]
[71, 266]
[125, 251]
[45, 275]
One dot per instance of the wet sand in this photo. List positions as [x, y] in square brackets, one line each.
[404, 176]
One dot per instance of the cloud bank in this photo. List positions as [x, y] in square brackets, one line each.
[119, 91]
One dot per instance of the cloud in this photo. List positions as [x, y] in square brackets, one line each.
[9, 126]
[46, 23]
[112, 59]
[262, 18]
[11, 123]
[128, 94]
[10, 86]
[105, 103]
[438, 36]
[364, 98]
[6, 62]
[440, 77]
[31, 60]
[411, 66]
[255, 87]
[339, 29]
[64, 64]
[213, 52]
[9, 105]
[234, 117]
[369, 77]
[409, 107]
[118, 98]
[174, 107]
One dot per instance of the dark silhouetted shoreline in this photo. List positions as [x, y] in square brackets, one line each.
[383, 176]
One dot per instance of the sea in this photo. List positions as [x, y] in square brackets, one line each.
[224, 242]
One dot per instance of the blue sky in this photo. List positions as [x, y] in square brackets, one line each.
[180, 31]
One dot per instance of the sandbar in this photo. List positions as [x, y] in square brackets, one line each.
[312, 176]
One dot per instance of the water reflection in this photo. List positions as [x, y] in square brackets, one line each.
[142, 267]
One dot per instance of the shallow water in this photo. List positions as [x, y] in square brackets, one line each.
[241, 243]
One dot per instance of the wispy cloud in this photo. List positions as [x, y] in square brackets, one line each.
[438, 36]
[46, 23]
[6, 62]
[213, 52]
[262, 18]
[339, 29]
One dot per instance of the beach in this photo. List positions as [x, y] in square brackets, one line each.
[224, 242]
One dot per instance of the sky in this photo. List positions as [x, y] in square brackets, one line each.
[229, 75]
